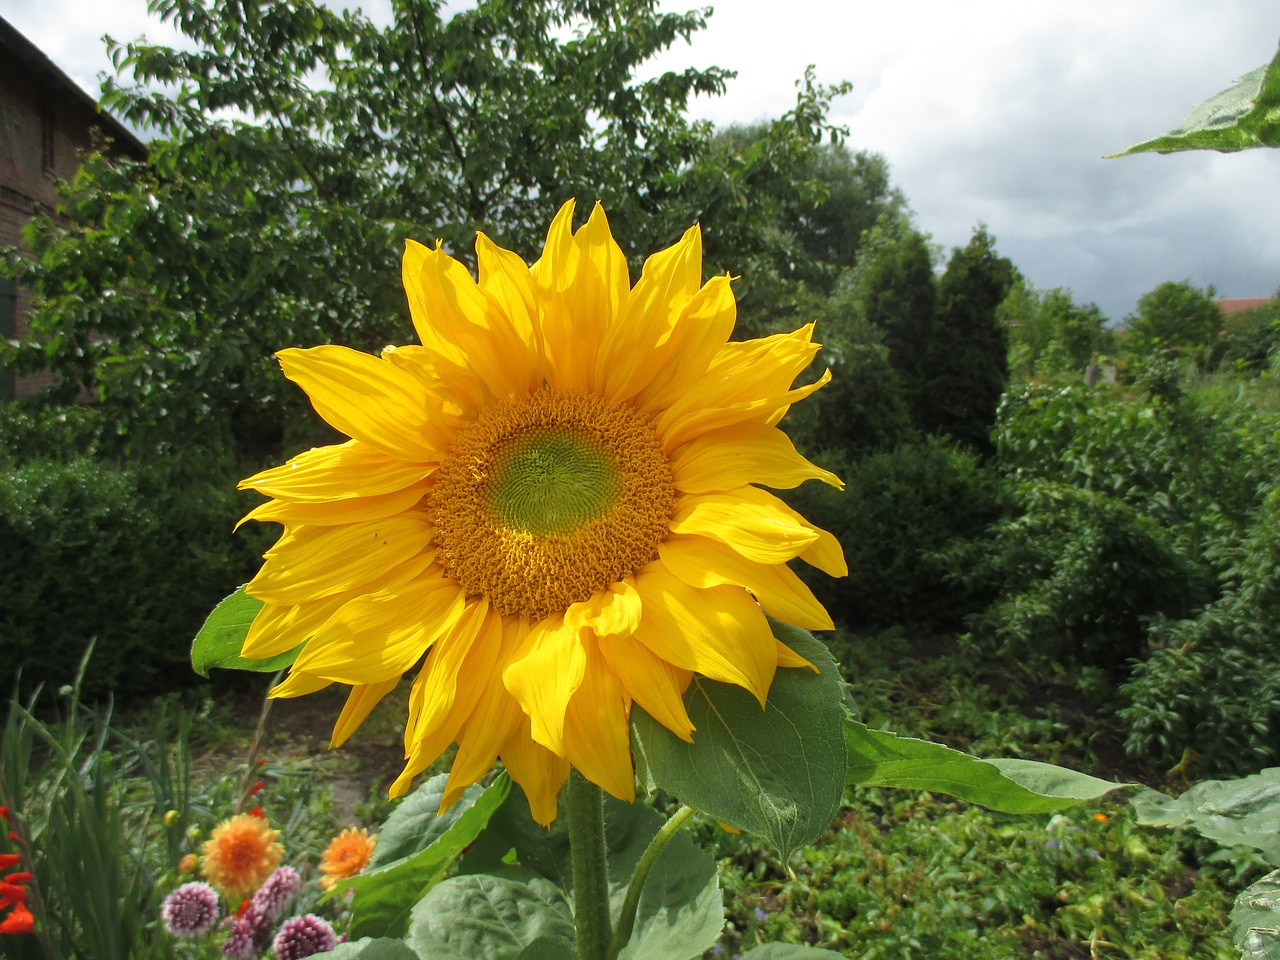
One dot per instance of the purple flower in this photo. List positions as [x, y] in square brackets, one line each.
[761, 915]
[276, 892]
[190, 910]
[1052, 843]
[248, 937]
[304, 936]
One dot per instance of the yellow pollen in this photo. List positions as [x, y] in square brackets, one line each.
[547, 499]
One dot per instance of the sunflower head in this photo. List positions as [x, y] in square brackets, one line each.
[240, 854]
[345, 856]
[552, 507]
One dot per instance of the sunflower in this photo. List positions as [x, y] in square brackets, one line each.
[240, 853]
[345, 856]
[554, 499]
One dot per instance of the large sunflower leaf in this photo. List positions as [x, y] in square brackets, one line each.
[777, 773]
[381, 948]
[881, 759]
[1246, 114]
[219, 641]
[681, 909]
[484, 917]
[787, 951]
[1244, 811]
[414, 850]
[1255, 920]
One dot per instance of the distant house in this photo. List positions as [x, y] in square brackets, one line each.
[45, 123]
[1228, 307]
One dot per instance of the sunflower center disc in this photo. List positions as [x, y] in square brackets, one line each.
[547, 499]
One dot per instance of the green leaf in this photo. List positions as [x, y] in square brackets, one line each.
[786, 951]
[1246, 114]
[1244, 811]
[777, 773]
[485, 917]
[219, 641]
[681, 910]
[880, 759]
[414, 850]
[381, 948]
[1255, 920]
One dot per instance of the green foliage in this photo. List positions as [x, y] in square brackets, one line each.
[881, 759]
[965, 367]
[892, 287]
[906, 875]
[1255, 919]
[164, 286]
[776, 772]
[1249, 339]
[1242, 116]
[1174, 317]
[220, 640]
[1050, 336]
[1231, 812]
[1078, 573]
[900, 508]
[92, 550]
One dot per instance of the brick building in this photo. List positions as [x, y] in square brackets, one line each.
[45, 123]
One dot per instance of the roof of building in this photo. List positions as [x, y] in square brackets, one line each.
[30, 56]
[1230, 306]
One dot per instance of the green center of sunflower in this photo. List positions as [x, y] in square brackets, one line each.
[547, 499]
[552, 481]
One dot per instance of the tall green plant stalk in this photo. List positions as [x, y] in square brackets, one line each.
[590, 863]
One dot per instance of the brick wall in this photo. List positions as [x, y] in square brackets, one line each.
[46, 122]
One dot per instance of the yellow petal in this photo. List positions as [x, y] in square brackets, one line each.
[740, 454]
[544, 676]
[297, 684]
[349, 510]
[581, 282]
[472, 323]
[639, 348]
[539, 772]
[608, 613]
[346, 470]
[380, 635]
[314, 562]
[368, 399]
[759, 526]
[827, 555]
[703, 563]
[719, 632]
[360, 702]
[277, 629]
[506, 278]
[494, 719]
[597, 728]
[705, 324]
[449, 684]
[790, 659]
[653, 683]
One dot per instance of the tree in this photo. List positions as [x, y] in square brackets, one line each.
[1050, 335]
[893, 289]
[296, 148]
[965, 367]
[1174, 317]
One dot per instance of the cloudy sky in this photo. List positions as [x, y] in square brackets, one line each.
[992, 111]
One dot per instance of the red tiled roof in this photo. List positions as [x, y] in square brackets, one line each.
[1229, 307]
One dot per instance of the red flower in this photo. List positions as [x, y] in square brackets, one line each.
[8, 860]
[19, 920]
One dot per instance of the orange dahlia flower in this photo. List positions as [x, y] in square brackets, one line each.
[345, 856]
[241, 853]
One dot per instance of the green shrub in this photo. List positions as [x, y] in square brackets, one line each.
[89, 550]
[898, 510]
[1078, 575]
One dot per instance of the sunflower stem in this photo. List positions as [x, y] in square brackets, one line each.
[589, 859]
[627, 919]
